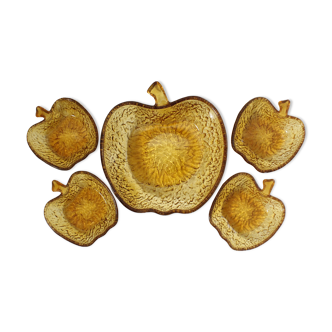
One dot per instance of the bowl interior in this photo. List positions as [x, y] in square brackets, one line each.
[164, 159]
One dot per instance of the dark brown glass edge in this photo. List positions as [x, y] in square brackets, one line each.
[242, 157]
[49, 164]
[175, 101]
[59, 196]
[215, 198]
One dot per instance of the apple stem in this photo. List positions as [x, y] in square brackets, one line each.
[157, 92]
[58, 186]
[284, 107]
[267, 187]
[42, 112]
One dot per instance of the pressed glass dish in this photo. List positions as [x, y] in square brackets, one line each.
[266, 138]
[84, 211]
[245, 215]
[67, 135]
[165, 158]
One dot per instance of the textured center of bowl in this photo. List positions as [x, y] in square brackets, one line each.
[264, 137]
[165, 155]
[243, 212]
[86, 209]
[69, 137]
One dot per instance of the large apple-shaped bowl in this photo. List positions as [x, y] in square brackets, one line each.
[245, 215]
[67, 135]
[165, 158]
[85, 210]
[266, 138]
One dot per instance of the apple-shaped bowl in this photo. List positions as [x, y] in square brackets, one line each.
[67, 135]
[165, 158]
[245, 215]
[84, 211]
[266, 138]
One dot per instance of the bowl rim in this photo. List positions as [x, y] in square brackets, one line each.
[272, 197]
[208, 196]
[79, 160]
[244, 156]
[106, 230]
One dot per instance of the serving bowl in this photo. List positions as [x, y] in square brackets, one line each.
[67, 135]
[165, 158]
[266, 138]
[245, 215]
[84, 211]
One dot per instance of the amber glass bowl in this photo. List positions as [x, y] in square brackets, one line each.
[164, 158]
[266, 138]
[67, 135]
[84, 211]
[245, 215]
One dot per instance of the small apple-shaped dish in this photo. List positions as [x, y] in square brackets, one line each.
[84, 211]
[67, 135]
[245, 215]
[165, 158]
[266, 138]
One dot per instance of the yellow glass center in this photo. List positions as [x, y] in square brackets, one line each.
[263, 137]
[165, 155]
[69, 137]
[86, 209]
[243, 212]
